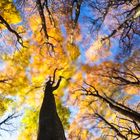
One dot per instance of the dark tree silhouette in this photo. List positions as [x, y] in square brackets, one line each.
[50, 125]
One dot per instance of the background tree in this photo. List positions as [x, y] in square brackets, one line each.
[112, 98]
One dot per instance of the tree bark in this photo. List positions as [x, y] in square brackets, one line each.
[50, 125]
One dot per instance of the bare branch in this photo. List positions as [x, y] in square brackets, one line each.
[49, 13]
[54, 76]
[5, 23]
[6, 124]
[117, 131]
[126, 111]
[42, 16]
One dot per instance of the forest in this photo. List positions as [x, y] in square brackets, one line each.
[69, 69]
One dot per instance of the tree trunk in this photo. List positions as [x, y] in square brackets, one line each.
[50, 125]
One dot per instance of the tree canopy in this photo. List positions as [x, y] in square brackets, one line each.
[93, 44]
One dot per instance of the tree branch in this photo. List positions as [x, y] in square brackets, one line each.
[5, 23]
[124, 110]
[117, 131]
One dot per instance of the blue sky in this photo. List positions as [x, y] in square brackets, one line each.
[2, 65]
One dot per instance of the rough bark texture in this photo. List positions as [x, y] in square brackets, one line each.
[50, 125]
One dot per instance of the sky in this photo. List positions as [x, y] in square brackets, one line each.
[2, 65]
[14, 134]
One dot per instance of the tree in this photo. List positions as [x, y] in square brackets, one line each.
[110, 100]
[124, 25]
[50, 125]
[130, 117]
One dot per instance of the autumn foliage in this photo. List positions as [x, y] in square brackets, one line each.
[94, 45]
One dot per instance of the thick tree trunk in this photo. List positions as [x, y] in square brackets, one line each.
[50, 125]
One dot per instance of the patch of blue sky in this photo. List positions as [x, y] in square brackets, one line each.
[73, 112]
[11, 135]
[2, 65]
[5, 47]
[6, 50]
[135, 99]
[73, 109]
